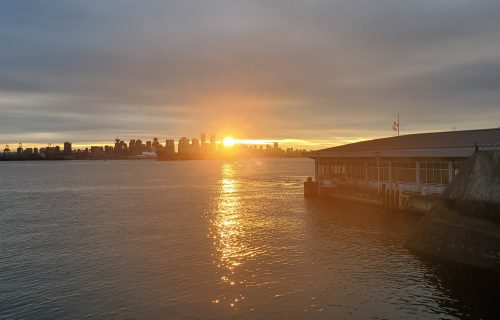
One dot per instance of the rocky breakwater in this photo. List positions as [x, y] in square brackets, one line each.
[464, 225]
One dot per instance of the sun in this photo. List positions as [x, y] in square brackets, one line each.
[228, 142]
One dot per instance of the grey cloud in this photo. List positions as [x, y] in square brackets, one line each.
[273, 67]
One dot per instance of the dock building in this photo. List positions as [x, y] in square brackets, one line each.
[402, 172]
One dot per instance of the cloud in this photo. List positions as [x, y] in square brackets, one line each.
[314, 70]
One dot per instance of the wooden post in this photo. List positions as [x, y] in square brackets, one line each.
[391, 198]
[384, 197]
[390, 184]
[366, 173]
[417, 176]
[378, 173]
[396, 200]
[450, 171]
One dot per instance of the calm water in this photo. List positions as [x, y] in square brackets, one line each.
[208, 239]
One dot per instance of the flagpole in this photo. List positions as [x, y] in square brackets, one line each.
[398, 124]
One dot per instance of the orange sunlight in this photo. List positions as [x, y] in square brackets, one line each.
[230, 141]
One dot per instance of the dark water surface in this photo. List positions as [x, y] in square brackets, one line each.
[209, 239]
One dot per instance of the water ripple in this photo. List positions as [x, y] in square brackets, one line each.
[207, 239]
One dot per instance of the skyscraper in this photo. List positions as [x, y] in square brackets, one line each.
[170, 146]
[195, 145]
[139, 147]
[119, 148]
[67, 149]
[156, 144]
[131, 147]
[213, 142]
[183, 147]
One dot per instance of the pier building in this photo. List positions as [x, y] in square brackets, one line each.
[401, 172]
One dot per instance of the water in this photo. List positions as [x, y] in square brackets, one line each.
[209, 239]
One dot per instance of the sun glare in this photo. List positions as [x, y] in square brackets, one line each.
[228, 142]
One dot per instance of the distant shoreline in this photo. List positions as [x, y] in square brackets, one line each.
[153, 159]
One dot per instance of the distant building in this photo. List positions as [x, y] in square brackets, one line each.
[195, 146]
[213, 142]
[108, 150]
[169, 146]
[120, 148]
[139, 147]
[67, 149]
[203, 140]
[131, 147]
[156, 144]
[6, 150]
[183, 146]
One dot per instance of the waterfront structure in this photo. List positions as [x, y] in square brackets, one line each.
[403, 172]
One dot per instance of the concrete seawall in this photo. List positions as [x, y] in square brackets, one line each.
[464, 225]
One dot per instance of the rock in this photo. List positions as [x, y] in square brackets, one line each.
[464, 225]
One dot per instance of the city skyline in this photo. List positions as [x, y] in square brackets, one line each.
[206, 147]
[236, 141]
[289, 71]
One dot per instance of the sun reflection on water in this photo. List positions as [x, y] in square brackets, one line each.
[229, 236]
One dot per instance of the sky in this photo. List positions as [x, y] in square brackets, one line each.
[308, 73]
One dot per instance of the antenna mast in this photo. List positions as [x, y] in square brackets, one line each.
[398, 124]
[395, 125]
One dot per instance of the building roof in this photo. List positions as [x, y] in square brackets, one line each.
[447, 144]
